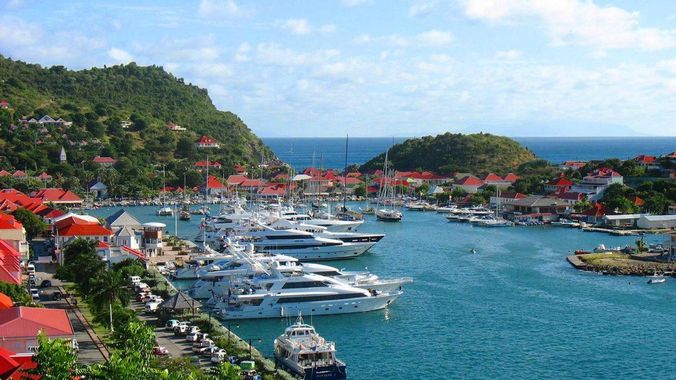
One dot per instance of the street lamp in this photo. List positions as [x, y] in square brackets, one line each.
[249, 340]
[229, 327]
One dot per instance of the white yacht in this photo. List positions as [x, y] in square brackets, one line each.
[331, 224]
[305, 353]
[279, 296]
[304, 245]
[165, 211]
[389, 215]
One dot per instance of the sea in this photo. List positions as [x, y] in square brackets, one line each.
[329, 153]
[514, 309]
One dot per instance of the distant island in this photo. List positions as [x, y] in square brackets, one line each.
[479, 153]
[128, 119]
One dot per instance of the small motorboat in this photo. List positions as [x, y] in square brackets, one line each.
[657, 279]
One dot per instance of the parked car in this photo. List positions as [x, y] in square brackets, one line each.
[142, 295]
[202, 337]
[207, 351]
[193, 330]
[171, 324]
[35, 294]
[160, 351]
[30, 268]
[198, 346]
[192, 337]
[146, 298]
[135, 279]
[219, 356]
[182, 329]
[152, 306]
[46, 284]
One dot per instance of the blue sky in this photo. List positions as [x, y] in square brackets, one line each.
[384, 68]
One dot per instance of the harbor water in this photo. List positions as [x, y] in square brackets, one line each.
[514, 309]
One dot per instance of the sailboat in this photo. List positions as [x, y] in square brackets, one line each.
[495, 220]
[185, 209]
[164, 210]
[384, 213]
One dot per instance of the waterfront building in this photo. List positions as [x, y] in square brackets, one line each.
[58, 196]
[656, 221]
[13, 233]
[152, 238]
[122, 219]
[559, 185]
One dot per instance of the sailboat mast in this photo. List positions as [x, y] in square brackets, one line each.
[347, 137]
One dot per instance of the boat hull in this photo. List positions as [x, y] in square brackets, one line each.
[275, 310]
[321, 253]
[336, 371]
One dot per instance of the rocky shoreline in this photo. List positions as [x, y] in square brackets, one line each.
[622, 264]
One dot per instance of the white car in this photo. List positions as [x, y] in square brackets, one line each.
[171, 324]
[152, 306]
[219, 356]
[30, 268]
[192, 337]
[35, 294]
[207, 351]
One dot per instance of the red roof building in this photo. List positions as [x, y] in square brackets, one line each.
[253, 184]
[16, 366]
[20, 326]
[276, 190]
[210, 164]
[206, 142]
[104, 161]
[4, 104]
[469, 184]
[57, 196]
[314, 172]
[511, 177]
[19, 174]
[44, 177]
[240, 169]
[10, 263]
[559, 185]
[491, 178]
[573, 165]
[4, 173]
[647, 162]
[214, 183]
[236, 180]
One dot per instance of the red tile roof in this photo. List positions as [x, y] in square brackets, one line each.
[211, 164]
[512, 195]
[104, 160]
[470, 180]
[239, 168]
[234, 180]
[645, 159]
[605, 172]
[492, 177]
[10, 267]
[312, 171]
[214, 183]
[23, 322]
[253, 183]
[44, 176]
[57, 196]
[570, 195]
[206, 140]
[19, 173]
[561, 181]
[4, 173]
[102, 245]
[84, 230]
[277, 190]
[8, 222]
[511, 177]
[349, 180]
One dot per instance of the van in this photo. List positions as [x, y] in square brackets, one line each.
[135, 279]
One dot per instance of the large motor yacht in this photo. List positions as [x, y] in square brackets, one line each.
[279, 296]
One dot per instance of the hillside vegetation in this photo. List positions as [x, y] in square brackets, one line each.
[474, 153]
[120, 111]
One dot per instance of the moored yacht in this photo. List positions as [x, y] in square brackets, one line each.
[305, 353]
[279, 296]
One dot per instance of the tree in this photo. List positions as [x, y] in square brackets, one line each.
[360, 190]
[32, 223]
[107, 289]
[17, 293]
[458, 193]
[81, 264]
[55, 359]
[227, 371]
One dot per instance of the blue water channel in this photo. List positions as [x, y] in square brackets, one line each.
[515, 309]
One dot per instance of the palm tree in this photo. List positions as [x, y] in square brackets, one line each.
[109, 287]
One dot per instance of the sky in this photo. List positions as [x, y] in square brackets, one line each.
[383, 67]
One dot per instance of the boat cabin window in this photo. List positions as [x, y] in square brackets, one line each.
[304, 284]
[328, 273]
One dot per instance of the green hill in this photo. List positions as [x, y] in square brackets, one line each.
[119, 111]
[475, 153]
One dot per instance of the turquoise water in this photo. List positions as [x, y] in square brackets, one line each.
[330, 152]
[516, 309]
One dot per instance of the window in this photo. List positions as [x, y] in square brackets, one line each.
[319, 298]
[304, 284]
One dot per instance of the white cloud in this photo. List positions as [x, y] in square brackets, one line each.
[219, 8]
[422, 8]
[354, 3]
[297, 26]
[275, 54]
[576, 22]
[242, 54]
[302, 27]
[15, 32]
[14, 3]
[212, 69]
[119, 55]
[509, 54]
[435, 38]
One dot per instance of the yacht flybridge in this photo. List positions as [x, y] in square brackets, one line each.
[305, 353]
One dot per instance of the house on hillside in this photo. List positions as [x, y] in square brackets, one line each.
[647, 162]
[175, 128]
[104, 162]
[4, 104]
[559, 185]
[573, 165]
[98, 189]
[206, 142]
[203, 165]
[470, 184]
[492, 179]
[122, 219]
[595, 183]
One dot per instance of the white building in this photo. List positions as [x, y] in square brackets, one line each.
[594, 184]
[656, 221]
